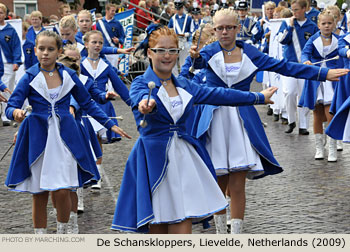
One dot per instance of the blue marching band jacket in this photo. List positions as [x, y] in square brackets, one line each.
[294, 38]
[32, 135]
[212, 59]
[313, 51]
[111, 29]
[144, 170]
[10, 45]
[342, 90]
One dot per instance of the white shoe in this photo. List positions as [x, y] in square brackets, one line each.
[96, 186]
[319, 146]
[228, 211]
[62, 228]
[73, 227]
[332, 150]
[236, 226]
[339, 145]
[80, 200]
[220, 224]
[40, 231]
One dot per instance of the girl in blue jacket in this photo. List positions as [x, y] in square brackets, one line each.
[316, 95]
[234, 136]
[50, 152]
[169, 181]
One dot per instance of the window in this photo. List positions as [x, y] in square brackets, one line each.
[22, 7]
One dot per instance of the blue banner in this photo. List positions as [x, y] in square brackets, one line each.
[126, 18]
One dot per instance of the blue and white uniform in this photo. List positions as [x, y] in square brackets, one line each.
[11, 53]
[31, 34]
[247, 25]
[179, 181]
[235, 137]
[315, 92]
[84, 123]
[50, 152]
[181, 25]
[342, 90]
[293, 39]
[100, 77]
[312, 14]
[110, 29]
[195, 25]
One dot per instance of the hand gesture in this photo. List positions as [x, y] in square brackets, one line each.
[126, 51]
[144, 109]
[334, 74]
[292, 21]
[268, 94]
[120, 131]
[308, 62]
[19, 115]
[193, 52]
[111, 95]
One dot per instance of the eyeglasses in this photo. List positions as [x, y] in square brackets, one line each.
[162, 51]
[227, 28]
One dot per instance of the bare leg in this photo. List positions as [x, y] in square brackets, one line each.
[319, 115]
[63, 205]
[99, 160]
[39, 209]
[237, 190]
[74, 200]
[222, 181]
[328, 115]
[158, 229]
[184, 227]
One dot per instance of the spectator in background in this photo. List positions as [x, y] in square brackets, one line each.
[143, 18]
[283, 4]
[167, 14]
[156, 9]
[64, 10]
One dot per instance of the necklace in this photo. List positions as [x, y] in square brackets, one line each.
[92, 59]
[229, 51]
[325, 37]
[163, 81]
[50, 72]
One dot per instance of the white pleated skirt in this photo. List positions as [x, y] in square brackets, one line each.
[229, 146]
[188, 189]
[99, 129]
[55, 169]
[325, 93]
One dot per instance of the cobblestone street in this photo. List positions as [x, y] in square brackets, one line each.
[308, 197]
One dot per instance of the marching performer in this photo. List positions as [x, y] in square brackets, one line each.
[167, 191]
[50, 153]
[196, 17]
[294, 36]
[311, 12]
[181, 23]
[112, 31]
[11, 57]
[246, 23]
[234, 137]
[100, 71]
[318, 96]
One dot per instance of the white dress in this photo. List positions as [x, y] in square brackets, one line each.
[227, 141]
[99, 129]
[56, 167]
[188, 189]
[325, 91]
